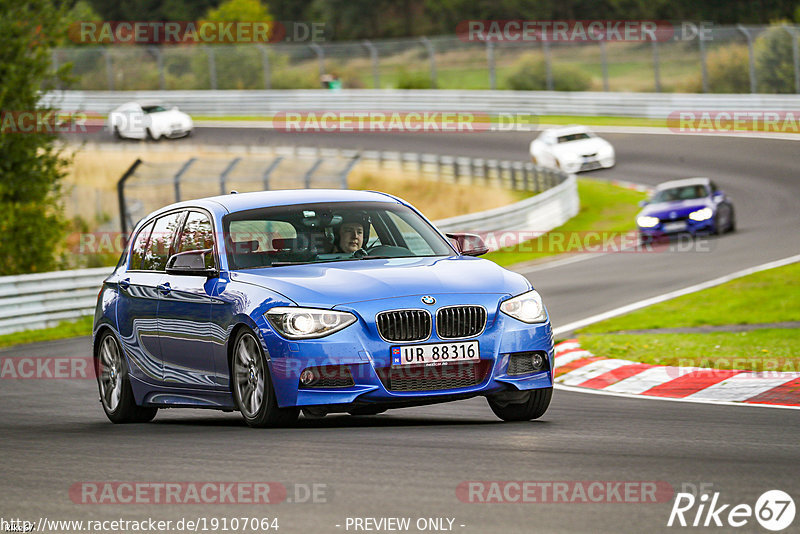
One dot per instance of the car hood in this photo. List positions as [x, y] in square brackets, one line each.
[326, 285]
[681, 208]
[583, 147]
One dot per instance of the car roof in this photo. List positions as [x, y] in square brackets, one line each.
[683, 182]
[262, 199]
[567, 130]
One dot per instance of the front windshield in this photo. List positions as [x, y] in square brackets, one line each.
[573, 137]
[153, 109]
[324, 232]
[687, 192]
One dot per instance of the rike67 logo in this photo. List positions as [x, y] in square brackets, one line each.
[774, 510]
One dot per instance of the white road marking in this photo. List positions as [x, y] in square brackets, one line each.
[589, 371]
[741, 387]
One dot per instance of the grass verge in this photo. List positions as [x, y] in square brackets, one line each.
[606, 210]
[64, 330]
[766, 297]
[767, 349]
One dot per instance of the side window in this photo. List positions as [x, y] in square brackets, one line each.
[198, 234]
[159, 247]
[140, 246]
[414, 242]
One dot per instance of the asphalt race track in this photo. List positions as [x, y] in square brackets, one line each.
[408, 463]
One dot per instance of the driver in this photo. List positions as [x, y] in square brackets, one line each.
[350, 235]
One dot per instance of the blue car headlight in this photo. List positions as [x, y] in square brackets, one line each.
[701, 214]
[527, 307]
[307, 323]
[647, 222]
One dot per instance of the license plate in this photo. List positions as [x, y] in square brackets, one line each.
[435, 353]
[675, 226]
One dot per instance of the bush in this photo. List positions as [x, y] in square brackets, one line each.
[414, 80]
[774, 61]
[728, 71]
[529, 73]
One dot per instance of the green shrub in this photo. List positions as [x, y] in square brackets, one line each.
[774, 61]
[728, 71]
[529, 73]
[413, 80]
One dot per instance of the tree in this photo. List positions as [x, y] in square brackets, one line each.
[239, 11]
[31, 165]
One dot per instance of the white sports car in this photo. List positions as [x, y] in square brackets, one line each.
[148, 120]
[572, 149]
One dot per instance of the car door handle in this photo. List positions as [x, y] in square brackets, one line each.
[125, 284]
[164, 288]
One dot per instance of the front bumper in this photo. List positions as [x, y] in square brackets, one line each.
[678, 226]
[367, 357]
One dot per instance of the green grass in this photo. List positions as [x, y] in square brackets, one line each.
[766, 297]
[64, 330]
[768, 349]
[605, 208]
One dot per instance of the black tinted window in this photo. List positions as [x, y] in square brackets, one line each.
[140, 246]
[159, 248]
[198, 234]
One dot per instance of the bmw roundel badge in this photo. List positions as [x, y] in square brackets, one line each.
[427, 299]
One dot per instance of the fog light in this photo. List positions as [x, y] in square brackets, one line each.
[307, 377]
[537, 361]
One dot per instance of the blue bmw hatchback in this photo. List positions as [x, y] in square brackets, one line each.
[316, 300]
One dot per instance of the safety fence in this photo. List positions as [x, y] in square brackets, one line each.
[757, 58]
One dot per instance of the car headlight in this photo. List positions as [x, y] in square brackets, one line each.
[647, 222]
[527, 307]
[307, 323]
[701, 214]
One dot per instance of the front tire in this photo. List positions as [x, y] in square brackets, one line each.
[531, 405]
[252, 385]
[116, 394]
[152, 137]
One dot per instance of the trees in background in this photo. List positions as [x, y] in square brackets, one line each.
[31, 165]
[373, 19]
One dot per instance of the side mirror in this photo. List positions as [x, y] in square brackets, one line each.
[643, 203]
[192, 263]
[469, 244]
[718, 196]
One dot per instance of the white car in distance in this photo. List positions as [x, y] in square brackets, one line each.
[133, 120]
[572, 149]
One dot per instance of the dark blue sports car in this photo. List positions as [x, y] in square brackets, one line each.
[692, 205]
[316, 300]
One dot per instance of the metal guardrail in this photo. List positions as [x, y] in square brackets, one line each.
[32, 301]
[41, 300]
[268, 103]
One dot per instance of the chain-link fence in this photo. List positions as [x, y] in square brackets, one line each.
[148, 186]
[733, 59]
